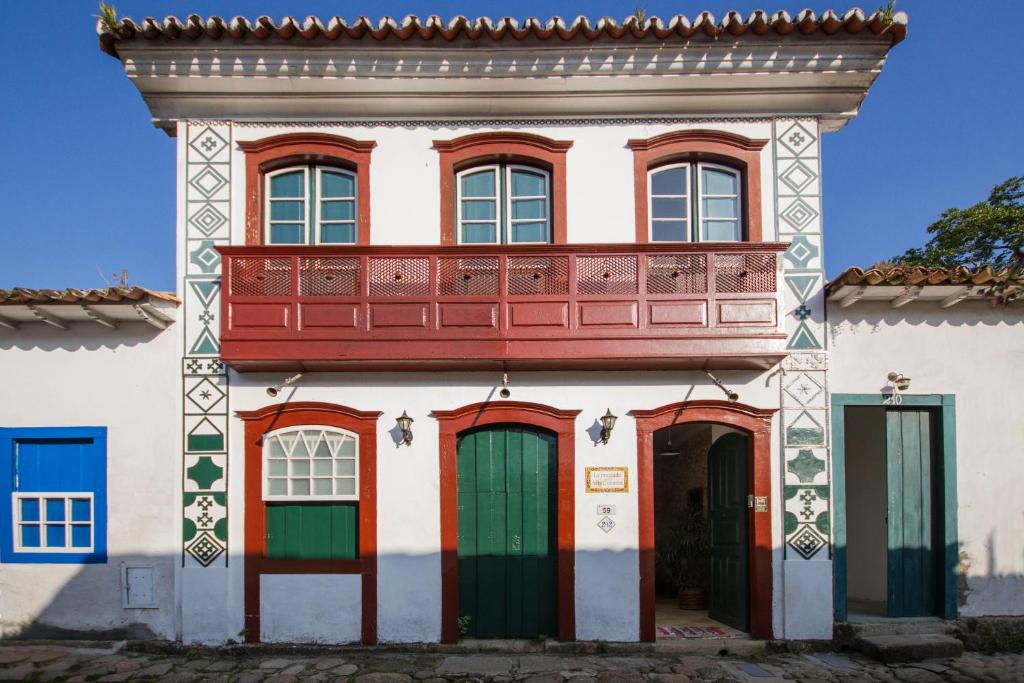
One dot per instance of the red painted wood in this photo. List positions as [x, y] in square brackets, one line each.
[278, 416]
[707, 145]
[563, 424]
[479, 148]
[275, 152]
[381, 307]
[757, 423]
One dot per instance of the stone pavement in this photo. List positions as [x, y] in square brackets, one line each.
[49, 662]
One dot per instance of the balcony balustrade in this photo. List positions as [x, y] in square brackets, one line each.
[515, 306]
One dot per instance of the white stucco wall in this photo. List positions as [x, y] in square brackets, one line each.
[976, 352]
[124, 380]
[408, 503]
[405, 175]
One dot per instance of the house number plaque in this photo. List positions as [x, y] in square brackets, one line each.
[607, 479]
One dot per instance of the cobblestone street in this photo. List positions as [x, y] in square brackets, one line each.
[75, 665]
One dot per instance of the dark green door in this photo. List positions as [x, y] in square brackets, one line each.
[913, 561]
[508, 569]
[727, 504]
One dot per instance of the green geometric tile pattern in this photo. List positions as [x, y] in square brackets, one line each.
[204, 377]
[803, 389]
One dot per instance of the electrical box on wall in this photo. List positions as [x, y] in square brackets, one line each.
[138, 586]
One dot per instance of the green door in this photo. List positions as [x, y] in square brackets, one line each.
[913, 561]
[728, 601]
[507, 502]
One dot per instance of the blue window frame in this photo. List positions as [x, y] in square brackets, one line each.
[54, 484]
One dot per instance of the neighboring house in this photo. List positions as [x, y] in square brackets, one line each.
[453, 254]
[87, 445]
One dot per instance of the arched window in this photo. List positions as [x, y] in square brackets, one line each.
[310, 463]
[695, 201]
[311, 204]
[503, 204]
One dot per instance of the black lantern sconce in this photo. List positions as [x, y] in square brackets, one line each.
[607, 425]
[404, 423]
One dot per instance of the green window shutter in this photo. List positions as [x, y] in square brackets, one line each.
[312, 531]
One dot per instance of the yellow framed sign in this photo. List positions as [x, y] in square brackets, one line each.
[607, 479]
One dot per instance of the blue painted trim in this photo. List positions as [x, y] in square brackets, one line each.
[951, 541]
[8, 438]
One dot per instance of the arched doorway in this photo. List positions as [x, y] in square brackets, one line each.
[526, 417]
[752, 444]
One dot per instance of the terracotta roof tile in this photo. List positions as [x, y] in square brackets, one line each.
[904, 276]
[805, 23]
[110, 295]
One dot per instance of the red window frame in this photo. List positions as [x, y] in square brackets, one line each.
[728, 149]
[502, 147]
[280, 151]
[301, 413]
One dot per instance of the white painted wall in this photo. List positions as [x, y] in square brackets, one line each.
[310, 608]
[974, 351]
[405, 180]
[124, 380]
[408, 505]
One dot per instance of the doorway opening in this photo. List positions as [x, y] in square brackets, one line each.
[895, 512]
[701, 531]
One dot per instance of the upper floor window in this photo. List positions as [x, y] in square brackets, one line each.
[311, 205]
[691, 202]
[504, 204]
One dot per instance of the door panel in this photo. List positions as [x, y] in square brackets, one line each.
[913, 561]
[507, 532]
[727, 487]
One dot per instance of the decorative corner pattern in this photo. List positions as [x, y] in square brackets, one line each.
[804, 388]
[204, 377]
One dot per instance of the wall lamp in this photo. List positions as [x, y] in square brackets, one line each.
[505, 392]
[898, 380]
[607, 425]
[731, 395]
[273, 391]
[404, 423]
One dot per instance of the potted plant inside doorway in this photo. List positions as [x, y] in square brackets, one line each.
[685, 556]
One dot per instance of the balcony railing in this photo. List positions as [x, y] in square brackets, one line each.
[486, 306]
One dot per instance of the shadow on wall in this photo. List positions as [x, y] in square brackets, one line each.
[964, 314]
[956, 591]
[89, 603]
[81, 336]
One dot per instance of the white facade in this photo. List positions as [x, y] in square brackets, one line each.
[973, 351]
[124, 380]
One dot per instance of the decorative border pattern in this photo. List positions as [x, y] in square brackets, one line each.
[806, 476]
[204, 377]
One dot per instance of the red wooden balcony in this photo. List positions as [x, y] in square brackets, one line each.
[478, 307]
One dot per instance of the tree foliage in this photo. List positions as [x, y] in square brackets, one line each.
[989, 233]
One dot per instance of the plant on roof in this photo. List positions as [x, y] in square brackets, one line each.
[887, 12]
[990, 233]
[108, 17]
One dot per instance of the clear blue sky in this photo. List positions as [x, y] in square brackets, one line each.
[88, 182]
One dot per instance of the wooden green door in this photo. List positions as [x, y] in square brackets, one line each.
[507, 507]
[728, 601]
[913, 570]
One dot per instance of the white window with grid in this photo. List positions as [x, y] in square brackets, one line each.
[53, 522]
[310, 463]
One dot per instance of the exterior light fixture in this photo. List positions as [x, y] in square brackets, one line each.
[273, 391]
[731, 395]
[898, 380]
[607, 425]
[404, 423]
[504, 393]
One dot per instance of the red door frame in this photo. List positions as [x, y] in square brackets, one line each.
[563, 424]
[757, 423]
[278, 416]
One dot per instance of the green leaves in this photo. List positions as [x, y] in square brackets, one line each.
[988, 233]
